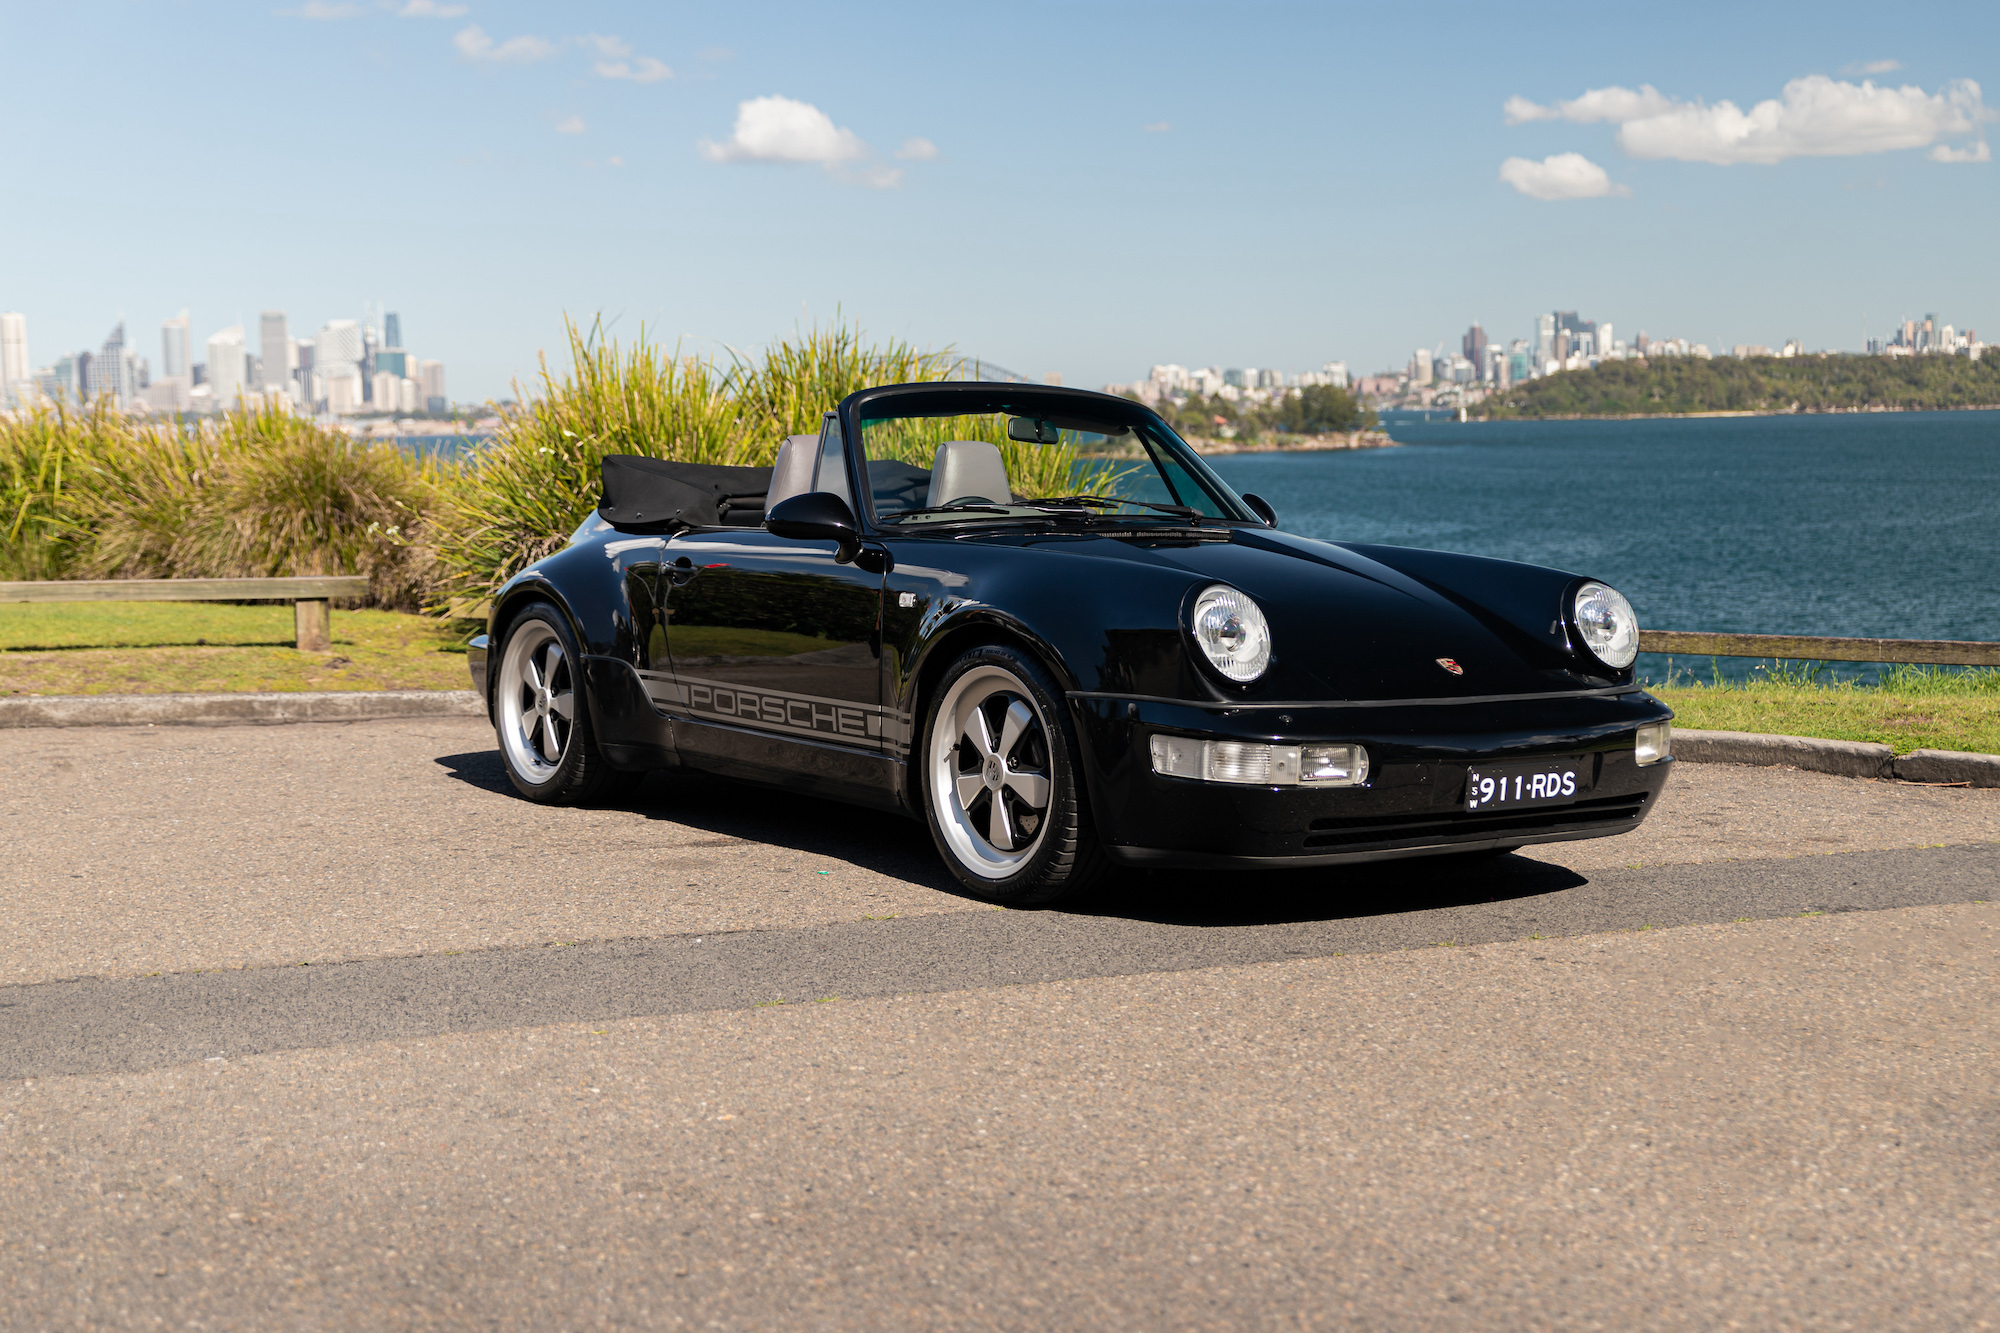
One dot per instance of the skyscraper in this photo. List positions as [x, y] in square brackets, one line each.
[392, 330]
[174, 340]
[1473, 346]
[112, 373]
[14, 376]
[273, 345]
[226, 371]
[1545, 341]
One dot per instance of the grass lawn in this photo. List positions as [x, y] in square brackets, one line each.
[215, 647]
[1915, 708]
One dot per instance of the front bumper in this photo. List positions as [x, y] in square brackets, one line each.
[1411, 804]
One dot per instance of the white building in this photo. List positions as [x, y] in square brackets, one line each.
[1336, 373]
[1420, 367]
[227, 377]
[386, 391]
[16, 380]
[275, 349]
[338, 385]
[430, 375]
[174, 344]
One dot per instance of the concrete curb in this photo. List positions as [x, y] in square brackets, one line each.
[140, 710]
[1848, 759]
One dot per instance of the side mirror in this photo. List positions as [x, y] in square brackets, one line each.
[1261, 508]
[816, 516]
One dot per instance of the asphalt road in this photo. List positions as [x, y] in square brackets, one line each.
[537, 1075]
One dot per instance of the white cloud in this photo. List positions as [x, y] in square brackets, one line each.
[1873, 67]
[1561, 176]
[1599, 104]
[1977, 152]
[778, 129]
[1816, 117]
[574, 125]
[917, 149]
[432, 9]
[321, 9]
[643, 70]
[615, 161]
[877, 176]
[473, 44]
[617, 63]
[1157, 127]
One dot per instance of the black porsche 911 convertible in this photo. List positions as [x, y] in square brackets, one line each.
[1036, 619]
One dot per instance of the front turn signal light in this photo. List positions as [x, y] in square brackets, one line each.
[1255, 764]
[1656, 742]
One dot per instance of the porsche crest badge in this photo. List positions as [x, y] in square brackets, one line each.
[1451, 666]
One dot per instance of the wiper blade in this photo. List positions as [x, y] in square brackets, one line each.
[1103, 502]
[900, 515]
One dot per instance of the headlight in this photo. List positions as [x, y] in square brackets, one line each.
[1232, 632]
[1608, 625]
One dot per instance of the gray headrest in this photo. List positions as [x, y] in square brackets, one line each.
[792, 474]
[967, 470]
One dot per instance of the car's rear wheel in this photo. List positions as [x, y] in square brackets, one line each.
[540, 716]
[1002, 788]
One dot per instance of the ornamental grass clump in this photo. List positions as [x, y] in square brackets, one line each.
[522, 494]
[46, 458]
[258, 493]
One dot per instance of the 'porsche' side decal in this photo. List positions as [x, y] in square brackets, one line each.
[799, 714]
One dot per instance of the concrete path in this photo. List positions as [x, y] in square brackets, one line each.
[536, 1077]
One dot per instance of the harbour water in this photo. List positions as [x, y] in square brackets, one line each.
[1883, 525]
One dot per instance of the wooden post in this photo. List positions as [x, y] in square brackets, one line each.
[309, 615]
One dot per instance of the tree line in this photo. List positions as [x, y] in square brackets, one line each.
[1318, 409]
[1679, 384]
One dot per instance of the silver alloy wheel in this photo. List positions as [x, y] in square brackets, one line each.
[537, 697]
[990, 772]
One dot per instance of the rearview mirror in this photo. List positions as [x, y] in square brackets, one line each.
[816, 516]
[1030, 431]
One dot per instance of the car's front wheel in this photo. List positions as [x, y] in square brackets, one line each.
[1002, 790]
[540, 715]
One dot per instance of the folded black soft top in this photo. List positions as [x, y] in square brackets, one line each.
[655, 495]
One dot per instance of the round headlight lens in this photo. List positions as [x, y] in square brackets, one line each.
[1608, 624]
[1232, 632]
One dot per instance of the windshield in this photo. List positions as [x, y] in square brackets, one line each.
[998, 466]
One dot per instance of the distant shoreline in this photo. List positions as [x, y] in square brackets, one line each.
[1751, 412]
[1297, 444]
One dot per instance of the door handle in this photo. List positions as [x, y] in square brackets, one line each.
[684, 571]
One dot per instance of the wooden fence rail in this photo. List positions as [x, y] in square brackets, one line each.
[1798, 648]
[309, 596]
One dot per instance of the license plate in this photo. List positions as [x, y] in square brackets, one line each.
[1532, 782]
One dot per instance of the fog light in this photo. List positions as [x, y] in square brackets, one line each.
[1256, 764]
[1334, 765]
[1656, 742]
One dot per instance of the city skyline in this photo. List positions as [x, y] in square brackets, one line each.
[1316, 181]
[347, 368]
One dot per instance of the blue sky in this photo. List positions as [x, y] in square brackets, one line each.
[1096, 187]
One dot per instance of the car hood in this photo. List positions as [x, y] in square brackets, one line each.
[1356, 622]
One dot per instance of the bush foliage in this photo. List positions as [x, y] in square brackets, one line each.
[93, 494]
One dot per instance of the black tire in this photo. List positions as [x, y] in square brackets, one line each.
[529, 720]
[1035, 854]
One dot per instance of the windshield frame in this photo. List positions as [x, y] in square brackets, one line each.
[975, 398]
